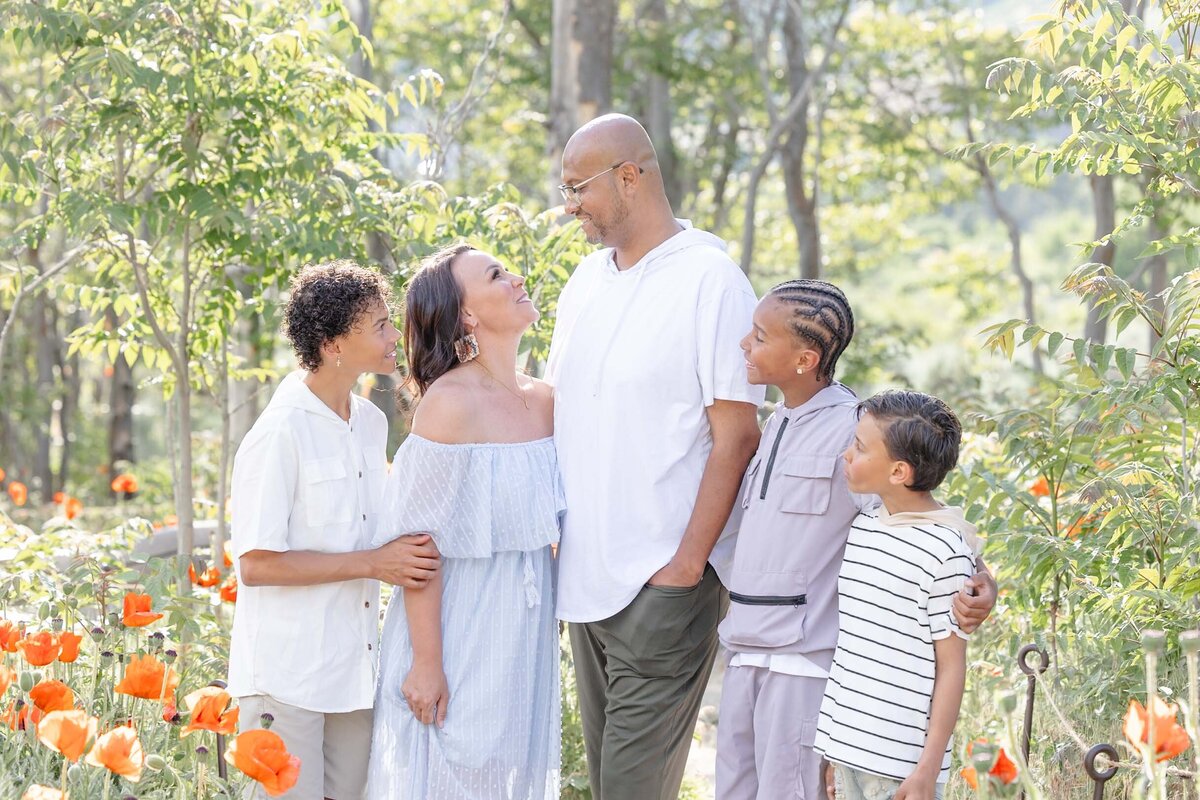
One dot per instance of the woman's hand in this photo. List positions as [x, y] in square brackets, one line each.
[427, 693]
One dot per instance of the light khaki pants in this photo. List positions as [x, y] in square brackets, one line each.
[333, 748]
[641, 675]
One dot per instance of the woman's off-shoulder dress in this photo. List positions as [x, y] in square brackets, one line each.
[493, 510]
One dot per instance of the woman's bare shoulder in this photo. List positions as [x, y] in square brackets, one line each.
[447, 410]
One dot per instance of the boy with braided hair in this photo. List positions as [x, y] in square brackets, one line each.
[782, 625]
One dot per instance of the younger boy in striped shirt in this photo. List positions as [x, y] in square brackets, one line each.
[894, 690]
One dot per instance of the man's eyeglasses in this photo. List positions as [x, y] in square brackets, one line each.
[571, 193]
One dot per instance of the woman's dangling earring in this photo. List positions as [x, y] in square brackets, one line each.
[466, 348]
[339, 362]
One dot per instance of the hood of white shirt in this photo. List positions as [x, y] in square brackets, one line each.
[294, 393]
[950, 516]
[686, 239]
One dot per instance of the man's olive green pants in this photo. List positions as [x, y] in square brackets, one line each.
[641, 675]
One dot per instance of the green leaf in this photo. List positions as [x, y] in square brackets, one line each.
[1054, 342]
[1125, 362]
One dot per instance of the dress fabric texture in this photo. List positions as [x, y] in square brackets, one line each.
[493, 510]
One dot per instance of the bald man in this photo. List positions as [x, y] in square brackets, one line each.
[655, 423]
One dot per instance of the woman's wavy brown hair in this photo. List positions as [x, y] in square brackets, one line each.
[433, 318]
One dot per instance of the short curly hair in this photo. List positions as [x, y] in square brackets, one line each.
[326, 301]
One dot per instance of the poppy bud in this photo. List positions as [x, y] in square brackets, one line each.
[1154, 642]
[155, 762]
[1008, 702]
[170, 656]
[156, 640]
[1189, 642]
[113, 618]
[74, 772]
[106, 656]
[56, 624]
[266, 719]
[44, 611]
[201, 751]
[37, 676]
[97, 633]
[26, 681]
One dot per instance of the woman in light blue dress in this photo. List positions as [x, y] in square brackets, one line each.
[467, 706]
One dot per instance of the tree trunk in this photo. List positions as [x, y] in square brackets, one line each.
[71, 386]
[121, 396]
[383, 395]
[581, 62]
[1159, 276]
[1104, 207]
[656, 110]
[802, 202]
[43, 323]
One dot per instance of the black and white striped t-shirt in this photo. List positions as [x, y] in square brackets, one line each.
[894, 596]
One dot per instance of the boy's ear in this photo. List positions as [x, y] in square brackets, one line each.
[901, 474]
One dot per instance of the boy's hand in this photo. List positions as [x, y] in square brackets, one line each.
[830, 780]
[975, 602]
[410, 561]
[918, 786]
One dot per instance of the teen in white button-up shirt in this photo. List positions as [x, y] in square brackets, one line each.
[305, 479]
[307, 483]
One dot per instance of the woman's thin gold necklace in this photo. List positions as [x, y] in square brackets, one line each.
[519, 395]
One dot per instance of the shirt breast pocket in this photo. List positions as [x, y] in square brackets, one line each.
[330, 497]
[805, 483]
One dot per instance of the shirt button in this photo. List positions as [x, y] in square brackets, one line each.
[364, 516]
[368, 647]
[367, 604]
[360, 473]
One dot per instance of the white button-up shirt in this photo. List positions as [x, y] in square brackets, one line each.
[305, 479]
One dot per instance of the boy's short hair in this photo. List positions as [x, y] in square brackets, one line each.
[326, 302]
[918, 429]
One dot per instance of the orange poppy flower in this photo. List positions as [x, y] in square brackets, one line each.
[262, 755]
[10, 634]
[18, 718]
[39, 792]
[1040, 487]
[210, 577]
[1003, 769]
[50, 696]
[1084, 524]
[229, 589]
[40, 649]
[148, 678]
[58, 498]
[70, 646]
[67, 732]
[8, 676]
[210, 711]
[169, 712]
[73, 508]
[119, 751]
[1170, 738]
[124, 483]
[170, 519]
[18, 492]
[227, 552]
[3, 474]
[137, 611]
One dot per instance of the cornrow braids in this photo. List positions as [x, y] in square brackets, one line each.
[822, 318]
